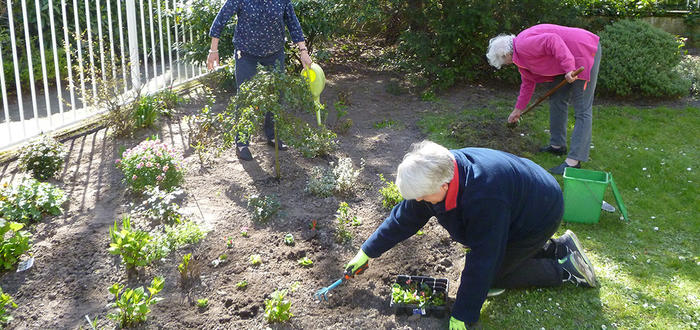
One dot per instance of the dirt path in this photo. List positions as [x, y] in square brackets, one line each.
[73, 269]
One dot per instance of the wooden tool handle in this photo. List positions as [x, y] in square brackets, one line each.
[551, 91]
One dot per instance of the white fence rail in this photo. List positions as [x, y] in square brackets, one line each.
[143, 53]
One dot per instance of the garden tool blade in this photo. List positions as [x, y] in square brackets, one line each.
[322, 294]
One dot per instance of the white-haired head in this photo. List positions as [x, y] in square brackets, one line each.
[500, 50]
[424, 170]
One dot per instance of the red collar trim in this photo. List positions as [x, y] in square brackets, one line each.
[452, 190]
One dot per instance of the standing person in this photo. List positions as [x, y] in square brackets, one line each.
[259, 39]
[505, 208]
[550, 53]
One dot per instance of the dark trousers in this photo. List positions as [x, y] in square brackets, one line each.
[246, 68]
[531, 262]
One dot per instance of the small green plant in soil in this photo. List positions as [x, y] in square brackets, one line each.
[263, 208]
[151, 163]
[133, 305]
[229, 243]
[146, 111]
[161, 205]
[223, 257]
[305, 262]
[277, 307]
[242, 285]
[203, 135]
[202, 303]
[6, 303]
[390, 193]
[181, 234]
[346, 175]
[412, 293]
[244, 231]
[29, 200]
[13, 243]
[343, 215]
[289, 239]
[133, 245]
[43, 158]
[184, 268]
[342, 124]
[385, 123]
[321, 182]
[255, 259]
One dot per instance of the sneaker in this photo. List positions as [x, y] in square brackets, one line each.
[571, 244]
[243, 153]
[281, 145]
[576, 271]
[555, 151]
[559, 170]
[495, 292]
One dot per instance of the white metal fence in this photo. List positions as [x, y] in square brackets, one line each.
[137, 42]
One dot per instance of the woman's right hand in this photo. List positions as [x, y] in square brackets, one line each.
[515, 116]
[213, 60]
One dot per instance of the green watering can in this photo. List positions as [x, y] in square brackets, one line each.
[317, 81]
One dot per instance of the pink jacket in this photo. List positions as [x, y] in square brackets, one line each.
[547, 50]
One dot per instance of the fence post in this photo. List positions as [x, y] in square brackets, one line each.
[133, 44]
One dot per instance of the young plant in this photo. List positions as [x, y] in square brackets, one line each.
[184, 268]
[229, 243]
[44, 158]
[390, 193]
[146, 111]
[203, 135]
[342, 125]
[161, 205]
[305, 262]
[289, 239]
[29, 200]
[343, 215]
[202, 303]
[181, 234]
[277, 308]
[13, 243]
[242, 285]
[263, 207]
[133, 245]
[151, 163]
[133, 305]
[346, 175]
[244, 231]
[414, 293]
[168, 101]
[386, 123]
[321, 182]
[255, 259]
[6, 303]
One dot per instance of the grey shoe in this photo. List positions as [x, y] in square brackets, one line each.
[572, 244]
[577, 271]
[243, 153]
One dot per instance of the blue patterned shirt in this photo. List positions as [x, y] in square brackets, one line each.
[260, 27]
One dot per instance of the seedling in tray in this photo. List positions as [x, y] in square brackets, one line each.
[419, 295]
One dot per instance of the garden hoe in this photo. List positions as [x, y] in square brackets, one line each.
[551, 91]
[322, 294]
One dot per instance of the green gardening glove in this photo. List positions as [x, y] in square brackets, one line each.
[356, 263]
[456, 324]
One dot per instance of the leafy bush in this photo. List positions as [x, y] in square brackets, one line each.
[147, 111]
[346, 175]
[630, 70]
[277, 308]
[161, 205]
[168, 101]
[133, 305]
[151, 163]
[321, 182]
[13, 243]
[135, 246]
[203, 134]
[184, 233]
[5, 302]
[689, 69]
[315, 141]
[44, 158]
[390, 193]
[29, 200]
[263, 207]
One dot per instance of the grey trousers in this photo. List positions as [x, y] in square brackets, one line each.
[582, 100]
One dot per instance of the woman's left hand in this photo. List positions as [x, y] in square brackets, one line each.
[570, 77]
[514, 116]
[305, 59]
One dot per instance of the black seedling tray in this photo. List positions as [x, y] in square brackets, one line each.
[435, 284]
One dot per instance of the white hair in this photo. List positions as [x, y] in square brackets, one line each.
[424, 169]
[499, 47]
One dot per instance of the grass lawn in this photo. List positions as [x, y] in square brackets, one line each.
[648, 268]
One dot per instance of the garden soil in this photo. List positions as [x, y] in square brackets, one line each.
[73, 269]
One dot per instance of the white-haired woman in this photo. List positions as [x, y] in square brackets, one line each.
[546, 53]
[505, 208]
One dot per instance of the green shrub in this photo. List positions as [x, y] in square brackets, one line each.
[277, 308]
[263, 207]
[146, 112]
[133, 305]
[321, 182]
[346, 175]
[639, 60]
[159, 205]
[184, 233]
[390, 193]
[135, 246]
[168, 101]
[13, 243]
[151, 163]
[44, 158]
[689, 68]
[30, 200]
[343, 215]
[5, 303]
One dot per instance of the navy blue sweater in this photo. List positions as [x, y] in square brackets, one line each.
[260, 25]
[494, 199]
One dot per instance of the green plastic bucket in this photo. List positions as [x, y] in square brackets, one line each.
[583, 194]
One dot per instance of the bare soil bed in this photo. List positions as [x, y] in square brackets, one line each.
[73, 269]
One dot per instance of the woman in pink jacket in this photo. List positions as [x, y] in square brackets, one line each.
[548, 53]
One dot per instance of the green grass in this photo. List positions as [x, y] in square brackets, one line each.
[649, 268]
